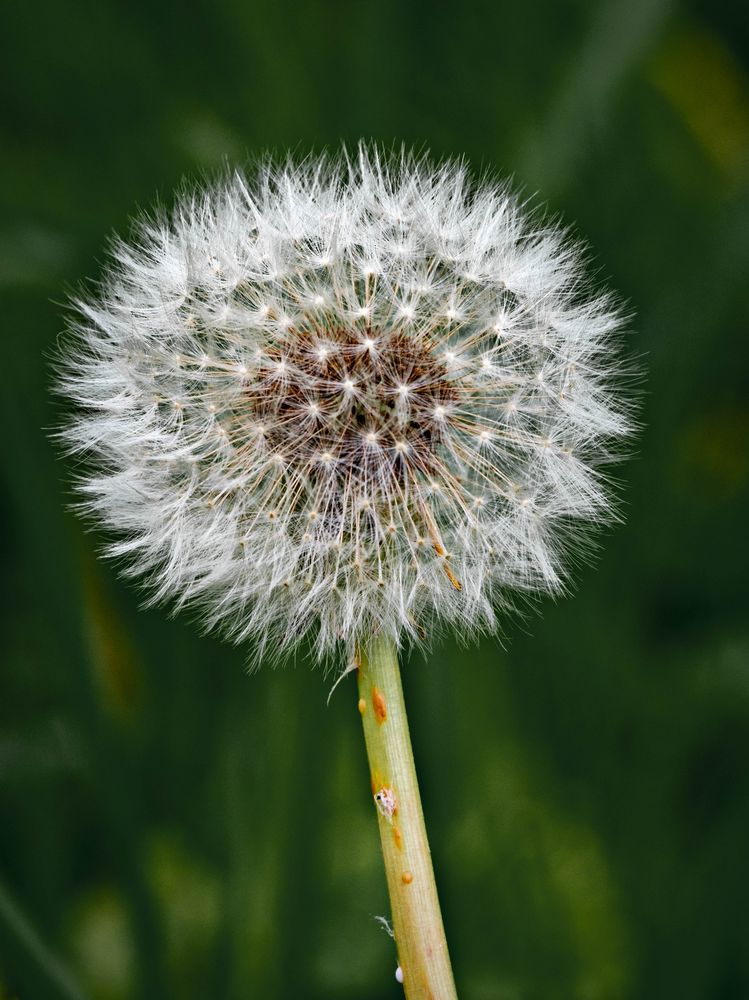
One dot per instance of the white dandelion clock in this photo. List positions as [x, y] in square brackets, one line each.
[353, 398]
[345, 397]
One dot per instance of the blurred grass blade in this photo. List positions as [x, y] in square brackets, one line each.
[47, 967]
[619, 33]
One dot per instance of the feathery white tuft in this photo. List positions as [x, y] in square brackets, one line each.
[344, 396]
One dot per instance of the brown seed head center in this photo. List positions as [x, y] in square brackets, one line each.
[348, 401]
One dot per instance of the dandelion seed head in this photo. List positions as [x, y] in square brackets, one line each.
[274, 435]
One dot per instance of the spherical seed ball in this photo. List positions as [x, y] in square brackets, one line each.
[350, 395]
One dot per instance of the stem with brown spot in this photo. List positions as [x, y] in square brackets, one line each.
[417, 921]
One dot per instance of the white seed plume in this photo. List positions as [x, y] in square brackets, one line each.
[352, 395]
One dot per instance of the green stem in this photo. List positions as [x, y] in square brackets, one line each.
[417, 921]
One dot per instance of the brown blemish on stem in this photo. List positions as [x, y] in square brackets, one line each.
[407, 878]
[362, 706]
[379, 705]
[378, 779]
[397, 837]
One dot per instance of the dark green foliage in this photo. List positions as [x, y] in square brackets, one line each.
[171, 827]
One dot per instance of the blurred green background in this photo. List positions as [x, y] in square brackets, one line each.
[172, 827]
